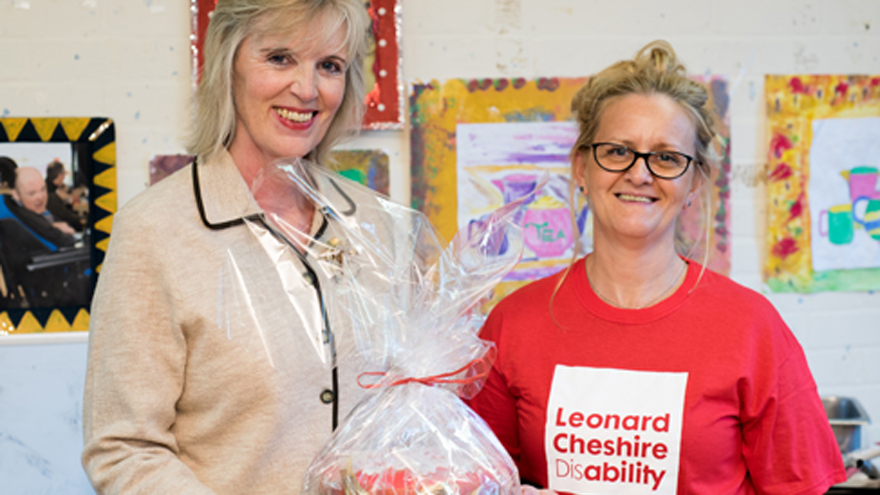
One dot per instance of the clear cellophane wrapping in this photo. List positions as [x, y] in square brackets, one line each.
[414, 305]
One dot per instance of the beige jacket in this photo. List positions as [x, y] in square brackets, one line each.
[187, 389]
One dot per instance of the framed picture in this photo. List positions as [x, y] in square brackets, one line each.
[823, 200]
[51, 253]
[382, 66]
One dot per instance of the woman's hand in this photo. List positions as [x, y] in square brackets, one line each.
[530, 490]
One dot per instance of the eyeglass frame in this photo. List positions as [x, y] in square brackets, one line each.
[645, 156]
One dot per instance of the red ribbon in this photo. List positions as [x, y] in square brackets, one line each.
[443, 378]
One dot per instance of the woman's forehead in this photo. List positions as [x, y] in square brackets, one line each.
[646, 109]
[326, 28]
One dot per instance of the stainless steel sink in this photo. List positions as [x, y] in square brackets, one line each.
[846, 416]
[845, 410]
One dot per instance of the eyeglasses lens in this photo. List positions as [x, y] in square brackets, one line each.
[617, 158]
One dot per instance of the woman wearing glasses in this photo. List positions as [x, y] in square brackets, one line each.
[636, 370]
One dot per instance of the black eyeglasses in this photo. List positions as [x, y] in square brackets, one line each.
[615, 157]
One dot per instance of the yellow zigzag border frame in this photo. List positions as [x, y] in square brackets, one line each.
[73, 129]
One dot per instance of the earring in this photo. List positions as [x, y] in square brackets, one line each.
[583, 189]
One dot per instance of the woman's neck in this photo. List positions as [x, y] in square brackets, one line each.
[634, 278]
[283, 201]
[248, 165]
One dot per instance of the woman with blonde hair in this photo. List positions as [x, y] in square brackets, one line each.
[183, 394]
[636, 370]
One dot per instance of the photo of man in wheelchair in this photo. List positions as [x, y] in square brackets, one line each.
[44, 260]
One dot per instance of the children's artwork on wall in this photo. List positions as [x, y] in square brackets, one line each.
[368, 167]
[49, 273]
[499, 162]
[162, 166]
[382, 65]
[823, 209]
[477, 144]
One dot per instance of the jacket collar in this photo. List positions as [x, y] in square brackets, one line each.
[224, 193]
[225, 199]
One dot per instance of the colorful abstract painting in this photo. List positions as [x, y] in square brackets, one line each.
[162, 166]
[367, 167]
[478, 144]
[823, 201]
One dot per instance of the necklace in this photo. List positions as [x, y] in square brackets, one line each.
[675, 282]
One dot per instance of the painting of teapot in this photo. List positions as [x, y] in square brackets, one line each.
[548, 229]
[547, 219]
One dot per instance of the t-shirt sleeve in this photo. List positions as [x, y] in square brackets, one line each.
[495, 403]
[788, 444]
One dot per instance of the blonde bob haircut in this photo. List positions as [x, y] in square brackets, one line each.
[655, 70]
[234, 20]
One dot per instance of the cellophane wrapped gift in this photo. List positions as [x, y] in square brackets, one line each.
[416, 313]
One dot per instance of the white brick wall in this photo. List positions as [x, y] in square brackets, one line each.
[129, 60]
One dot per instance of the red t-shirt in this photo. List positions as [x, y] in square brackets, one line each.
[709, 384]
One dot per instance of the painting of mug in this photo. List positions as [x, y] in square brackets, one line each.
[862, 182]
[872, 218]
[839, 229]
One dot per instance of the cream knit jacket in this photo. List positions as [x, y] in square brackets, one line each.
[186, 392]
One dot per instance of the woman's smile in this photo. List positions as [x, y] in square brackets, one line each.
[635, 198]
[296, 118]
